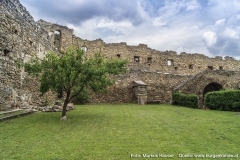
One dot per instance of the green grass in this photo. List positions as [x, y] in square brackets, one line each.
[114, 132]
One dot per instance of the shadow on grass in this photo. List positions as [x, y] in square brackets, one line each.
[54, 117]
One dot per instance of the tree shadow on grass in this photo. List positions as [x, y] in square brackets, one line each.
[54, 117]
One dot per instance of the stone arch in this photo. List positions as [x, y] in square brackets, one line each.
[214, 86]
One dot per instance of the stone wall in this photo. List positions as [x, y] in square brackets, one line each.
[61, 36]
[153, 60]
[198, 83]
[20, 37]
[159, 87]
[162, 71]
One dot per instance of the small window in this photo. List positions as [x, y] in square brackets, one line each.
[6, 52]
[136, 59]
[31, 43]
[57, 32]
[149, 59]
[176, 68]
[50, 33]
[118, 55]
[84, 49]
[190, 66]
[210, 68]
[220, 67]
[15, 31]
[169, 62]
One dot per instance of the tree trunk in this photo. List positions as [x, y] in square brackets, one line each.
[65, 104]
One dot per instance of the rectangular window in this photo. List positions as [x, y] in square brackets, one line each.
[220, 67]
[149, 59]
[118, 55]
[210, 67]
[190, 66]
[136, 59]
[169, 62]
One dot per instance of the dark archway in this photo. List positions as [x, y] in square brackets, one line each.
[211, 87]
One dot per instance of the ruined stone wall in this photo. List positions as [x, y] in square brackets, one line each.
[146, 58]
[20, 37]
[159, 89]
[161, 71]
[61, 36]
[196, 84]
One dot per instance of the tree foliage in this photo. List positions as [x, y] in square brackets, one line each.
[73, 72]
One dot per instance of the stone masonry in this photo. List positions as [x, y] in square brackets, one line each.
[163, 72]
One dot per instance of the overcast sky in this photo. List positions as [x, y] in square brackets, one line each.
[210, 27]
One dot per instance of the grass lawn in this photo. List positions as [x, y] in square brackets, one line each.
[115, 132]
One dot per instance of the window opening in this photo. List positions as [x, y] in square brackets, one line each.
[6, 52]
[84, 49]
[57, 39]
[210, 67]
[190, 66]
[136, 58]
[149, 59]
[169, 62]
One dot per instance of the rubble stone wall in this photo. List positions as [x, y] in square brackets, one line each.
[160, 61]
[162, 71]
[20, 37]
[159, 89]
[61, 36]
[197, 84]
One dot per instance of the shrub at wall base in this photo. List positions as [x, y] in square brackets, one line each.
[188, 100]
[223, 100]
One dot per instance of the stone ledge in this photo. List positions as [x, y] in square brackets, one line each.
[15, 116]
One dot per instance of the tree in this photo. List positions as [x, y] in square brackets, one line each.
[73, 72]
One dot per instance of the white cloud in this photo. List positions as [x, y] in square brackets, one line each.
[192, 5]
[158, 22]
[209, 38]
[112, 24]
[86, 30]
[220, 22]
[231, 33]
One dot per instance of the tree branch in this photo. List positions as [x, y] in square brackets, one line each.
[76, 94]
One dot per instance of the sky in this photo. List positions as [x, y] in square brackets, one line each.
[209, 27]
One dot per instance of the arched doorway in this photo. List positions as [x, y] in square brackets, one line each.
[211, 87]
